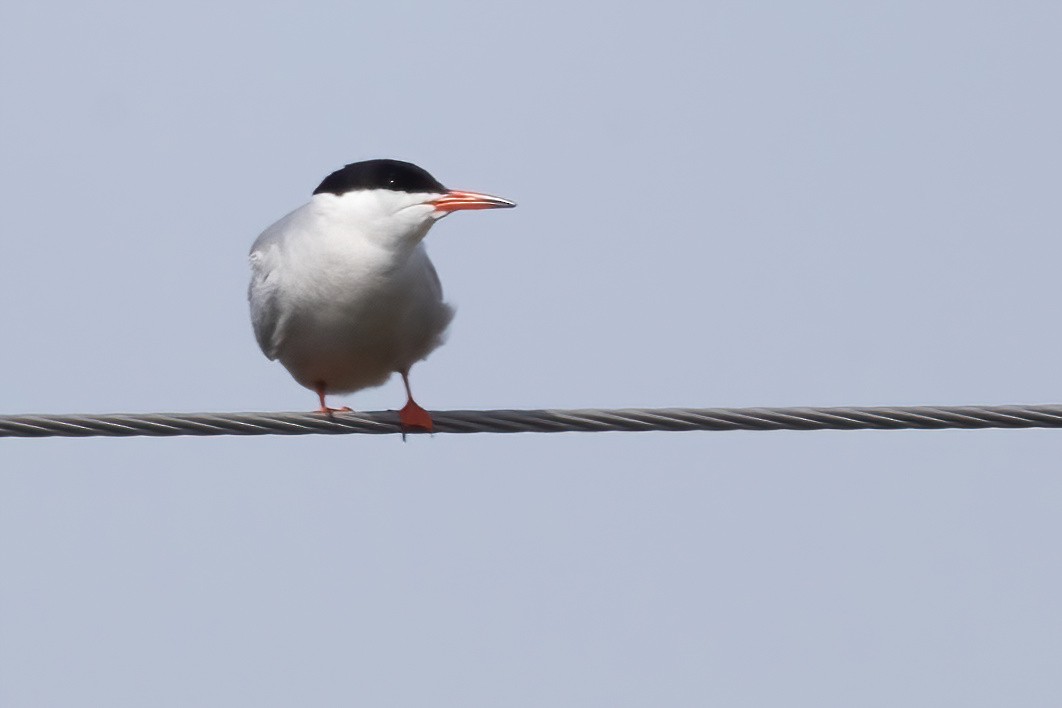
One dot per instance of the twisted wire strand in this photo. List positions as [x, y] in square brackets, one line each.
[590, 420]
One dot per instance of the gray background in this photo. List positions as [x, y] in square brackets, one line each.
[720, 204]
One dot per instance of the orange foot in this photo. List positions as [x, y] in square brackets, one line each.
[413, 417]
[331, 411]
[321, 387]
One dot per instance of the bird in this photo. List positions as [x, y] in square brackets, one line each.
[342, 291]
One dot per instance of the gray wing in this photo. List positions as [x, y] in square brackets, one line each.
[435, 285]
[266, 313]
[433, 319]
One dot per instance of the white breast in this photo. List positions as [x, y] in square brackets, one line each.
[340, 301]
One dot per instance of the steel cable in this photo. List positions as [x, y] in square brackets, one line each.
[536, 421]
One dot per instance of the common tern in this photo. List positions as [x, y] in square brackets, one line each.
[342, 291]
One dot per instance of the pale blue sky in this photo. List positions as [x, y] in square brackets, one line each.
[723, 204]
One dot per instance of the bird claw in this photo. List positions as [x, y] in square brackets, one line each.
[332, 411]
[414, 418]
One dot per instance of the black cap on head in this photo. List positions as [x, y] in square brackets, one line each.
[395, 175]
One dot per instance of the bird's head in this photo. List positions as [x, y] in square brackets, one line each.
[397, 202]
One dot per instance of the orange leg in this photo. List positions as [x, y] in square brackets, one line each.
[412, 416]
[320, 388]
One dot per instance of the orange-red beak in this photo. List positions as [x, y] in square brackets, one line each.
[455, 200]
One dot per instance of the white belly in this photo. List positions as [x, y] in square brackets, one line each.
[351, 325]
[350, 348]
